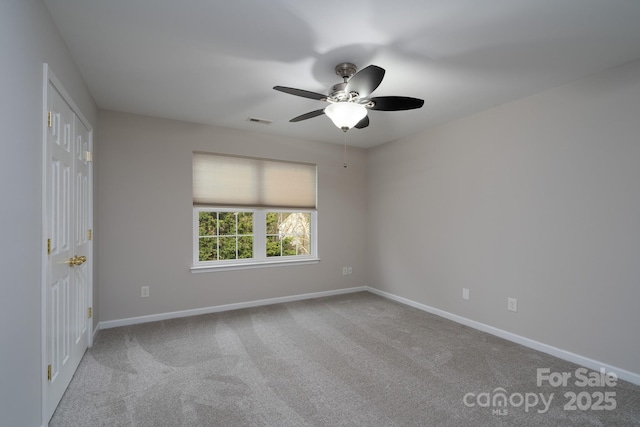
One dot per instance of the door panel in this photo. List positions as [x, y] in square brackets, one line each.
[81, 238]
[60, 160]
[68, 199]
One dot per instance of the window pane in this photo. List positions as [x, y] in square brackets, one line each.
[207, 223]
[303, 231]
[245, 247]
[208, 249]
[288, 246]
[273, 246]
[304, 246]
[227, 223]
[305, 217]
[272, 222]
[245, 223]
[228, 248]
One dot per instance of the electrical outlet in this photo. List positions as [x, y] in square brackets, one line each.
[349, 270]
[512, 304]
[465, 293]
[144, 291]
[345, 271]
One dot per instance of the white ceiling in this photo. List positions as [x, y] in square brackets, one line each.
[216, 62]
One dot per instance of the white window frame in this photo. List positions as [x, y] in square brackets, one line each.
[260, 259]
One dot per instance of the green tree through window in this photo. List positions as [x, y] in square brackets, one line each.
[225, 235]
[288, 233]
[232, 236]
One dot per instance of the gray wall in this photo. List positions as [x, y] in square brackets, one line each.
[537, 199]
[145, 218]
[28, 38]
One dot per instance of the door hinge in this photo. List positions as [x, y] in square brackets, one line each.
[49, 119]
[49, 372]
[88, 156]
[90, 234]
[48, 246]
[90, 313]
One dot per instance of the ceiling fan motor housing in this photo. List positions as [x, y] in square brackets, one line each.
[338, 93]
[346, 70]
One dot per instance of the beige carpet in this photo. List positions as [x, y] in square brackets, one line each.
[356, 359]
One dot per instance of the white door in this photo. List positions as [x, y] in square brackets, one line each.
[68, 201]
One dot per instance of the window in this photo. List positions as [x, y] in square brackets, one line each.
[288, 233]
[224, 235]
[252, 212]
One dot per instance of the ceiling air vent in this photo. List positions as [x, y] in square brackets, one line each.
[260, 121]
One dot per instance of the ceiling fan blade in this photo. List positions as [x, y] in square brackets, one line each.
[309, 115]
[300, 92]
[365, 81]
[362, 123]
[395, 103]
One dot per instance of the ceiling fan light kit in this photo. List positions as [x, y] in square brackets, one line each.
[349, 102]
[345, 114]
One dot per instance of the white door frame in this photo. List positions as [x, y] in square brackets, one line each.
[49, 77]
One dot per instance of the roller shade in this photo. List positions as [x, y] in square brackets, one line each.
[222, 180]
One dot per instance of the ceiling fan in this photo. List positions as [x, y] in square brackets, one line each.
[349, 101]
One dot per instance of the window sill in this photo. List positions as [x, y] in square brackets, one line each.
[252, 265]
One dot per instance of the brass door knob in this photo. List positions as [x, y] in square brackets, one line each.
[76, 260]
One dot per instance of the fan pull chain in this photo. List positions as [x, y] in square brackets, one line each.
[345, 150]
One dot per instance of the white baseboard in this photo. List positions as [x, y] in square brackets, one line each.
[536, 345]
[215, 309]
